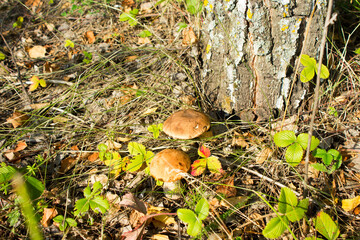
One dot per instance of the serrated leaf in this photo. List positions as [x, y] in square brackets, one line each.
[204, 152]
[303, 138]
[326, 226]
[275, 227]
[81, 206]
[97, 187]
[294, 154]
[155, 129]
[307, 74]
[202, 209]
[213, 164]
[198, 167]
[287, 200]
[194, 6]
[99, 204]
[87, 192]
[319, 167]
[284, 138]
[299, 212]
[186, 215]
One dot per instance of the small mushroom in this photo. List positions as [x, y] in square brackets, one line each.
[168, 166]
[186, 124]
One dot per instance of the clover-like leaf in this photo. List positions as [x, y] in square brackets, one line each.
[319, 167]
[307, 74]
[198, 167]
[81, 206]
[294, 154]
[298, 212]
[69, 43]
[307, 61]
[202, 209]
[99, 204]
[36, 81]
[284, 138]
[136, 148]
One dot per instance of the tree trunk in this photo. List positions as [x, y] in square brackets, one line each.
[252, 47]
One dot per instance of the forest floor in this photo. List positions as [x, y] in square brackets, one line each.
[83, 96]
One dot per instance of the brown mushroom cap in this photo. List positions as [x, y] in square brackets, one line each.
[167, 164]
[186, 124]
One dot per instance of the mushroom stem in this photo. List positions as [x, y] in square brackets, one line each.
[172, 190]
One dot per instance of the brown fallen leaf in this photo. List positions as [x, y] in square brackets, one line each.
[239, 140]
[228, 189]
[159, 237]
[37, 52]
[67, 164]
[231, 202]
[90, 37]
[263, 155]
[189, 36]
[74, 148]
[49, 213]
[17, 119]
[131, 58]
[145, 40]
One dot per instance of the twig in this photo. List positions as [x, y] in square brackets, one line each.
[71, 115]
[267, 179]
[18, 70]
[317, 89]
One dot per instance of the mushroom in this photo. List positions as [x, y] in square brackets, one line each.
[168, 166]
[186, 124]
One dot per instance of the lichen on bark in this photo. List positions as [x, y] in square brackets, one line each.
[251, 47]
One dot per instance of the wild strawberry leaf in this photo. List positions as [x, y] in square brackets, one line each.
[214, 164]
[284, 138]
[275, 227]
[294, 154]
[198, 167]
[204, 151]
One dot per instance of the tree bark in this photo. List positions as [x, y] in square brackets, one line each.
[251, 50]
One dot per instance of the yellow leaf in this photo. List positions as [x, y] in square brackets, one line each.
[149, 111]
[42, 82]
[350, 204]
[33, 87]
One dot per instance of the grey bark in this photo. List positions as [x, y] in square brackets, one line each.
[251, 48]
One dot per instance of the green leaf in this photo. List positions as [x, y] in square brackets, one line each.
[194, 6]
[102, 147]
[34, 186]
[136, 148]
[275, 227]
[81, 206]
[284, 138]
[319, 167]
[303, 138]
[307, 74]
[189, 217]
[186, 215]
[357, 51]
[6, 173]
[69, 43]
[182, 26]
[287, 200]
[336, 154]
[307, 61]
[71, 222]
[2, 56]
[99, 204]
[145, 33]
[60, 219]
[324, 74]
[202, 209]
[135, 163]
[96, 188]
[326, 226]
[294, 154]
[155, 129]
[299, 212]
[213, 164]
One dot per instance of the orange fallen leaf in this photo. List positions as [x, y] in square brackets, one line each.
[17, 119]
[20, 146]
[189, 36]
[49, 213]
[90, 37]
[74, 148]
[131, 58]
[37, 52]
[93, 157]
